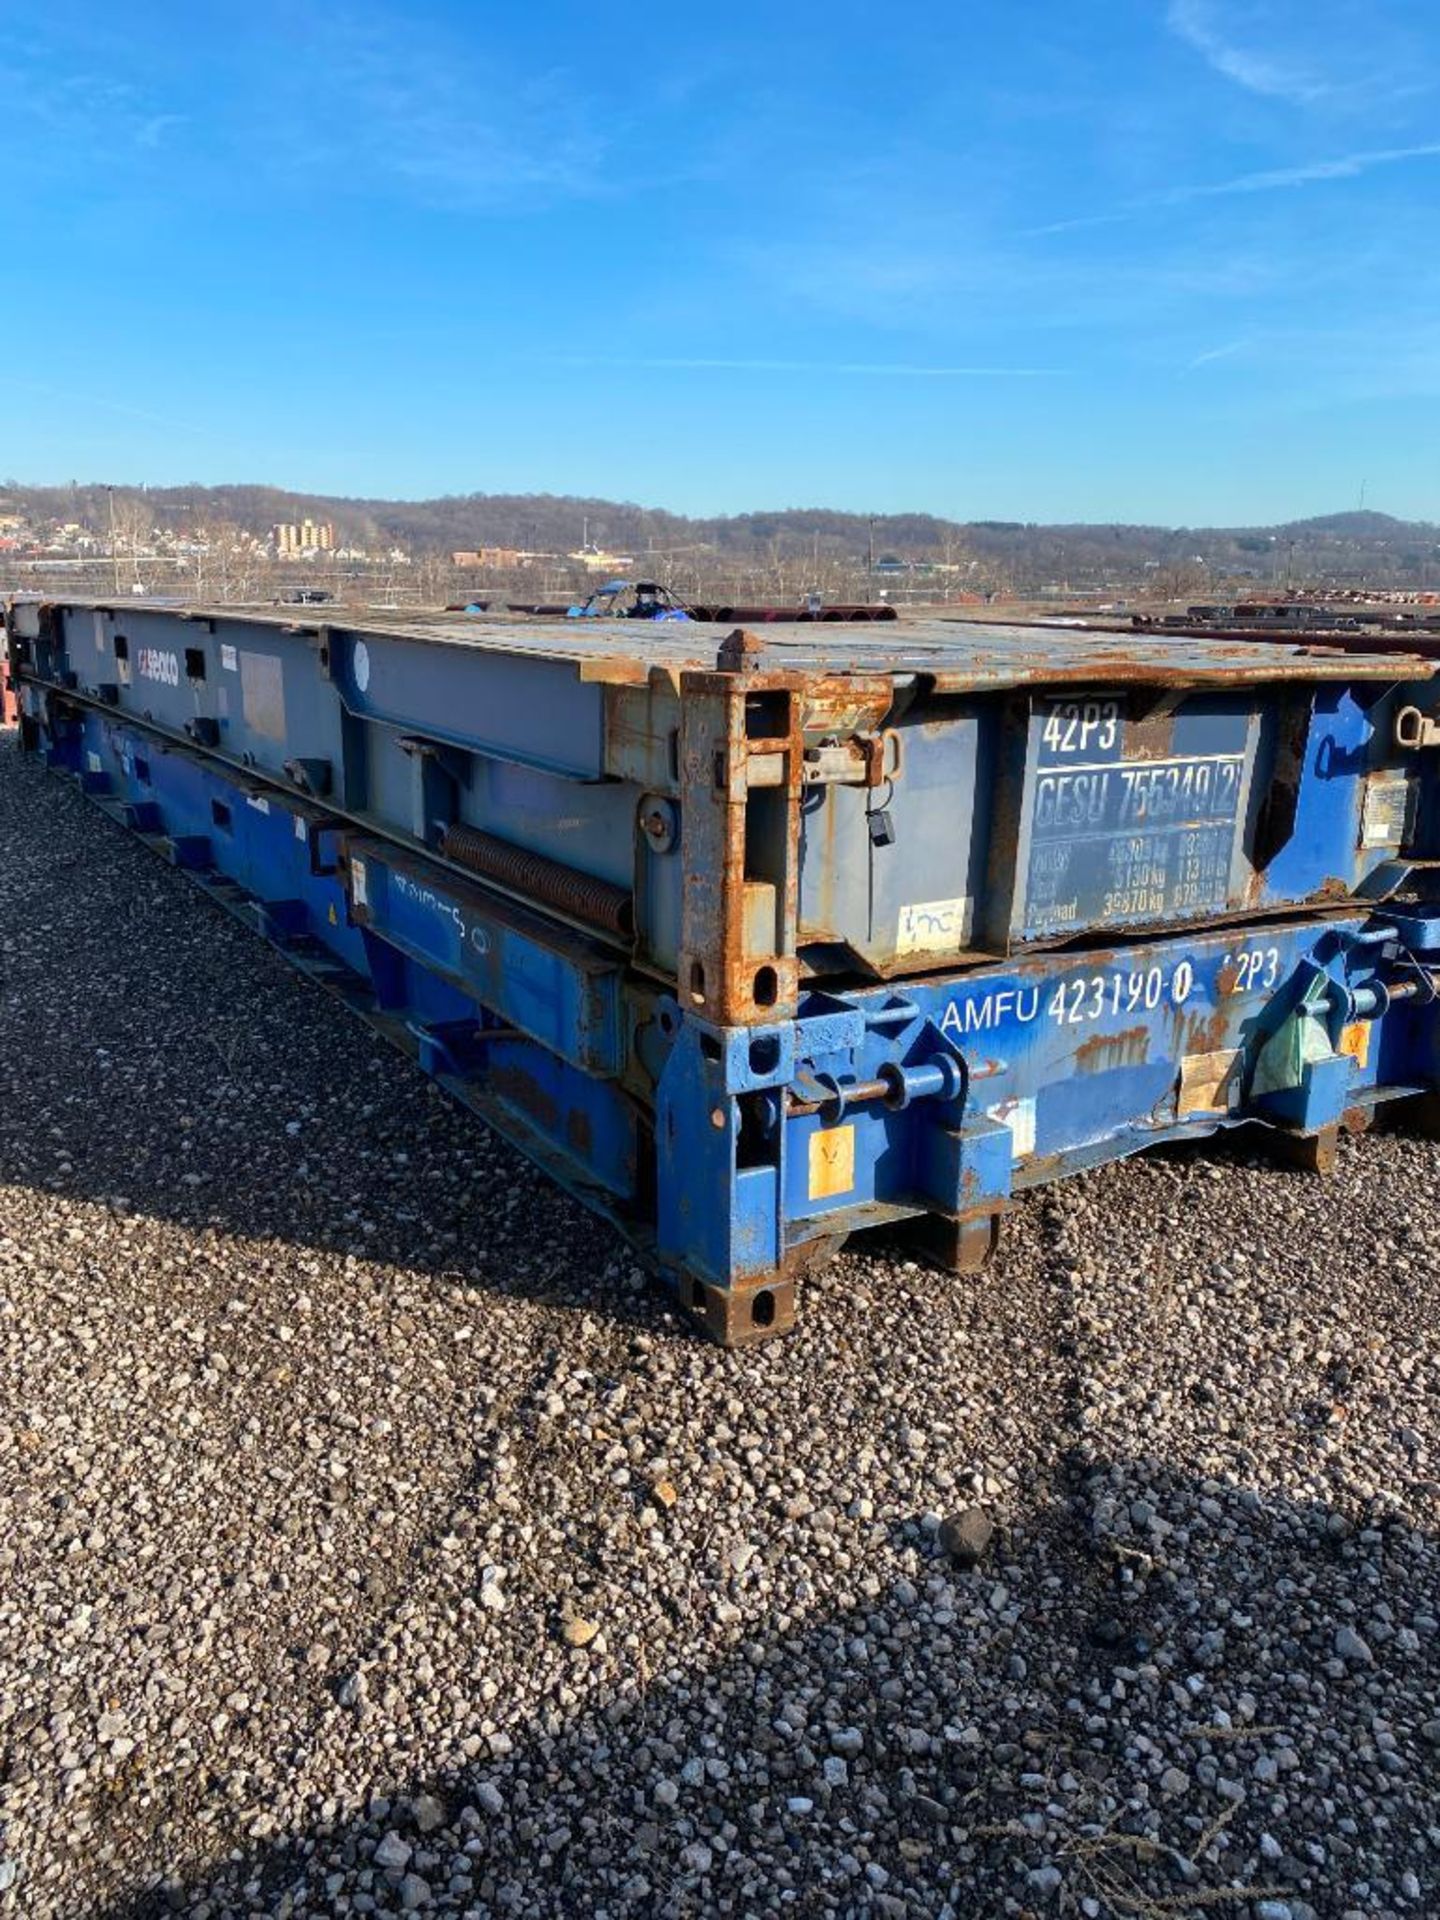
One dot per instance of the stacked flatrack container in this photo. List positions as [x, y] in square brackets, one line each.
[756, 943]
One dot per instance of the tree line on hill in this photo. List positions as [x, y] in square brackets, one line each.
[989, 555]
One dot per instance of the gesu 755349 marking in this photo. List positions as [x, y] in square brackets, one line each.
[1110, 799]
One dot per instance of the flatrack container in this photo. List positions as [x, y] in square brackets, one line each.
[752, 942]
[9, 700]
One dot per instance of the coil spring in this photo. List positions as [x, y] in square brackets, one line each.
[539, 878]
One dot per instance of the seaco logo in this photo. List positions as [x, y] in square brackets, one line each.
[152, 664]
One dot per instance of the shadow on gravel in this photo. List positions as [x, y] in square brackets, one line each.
[160, 1059]
[1141, 1683]
[1157, 1694]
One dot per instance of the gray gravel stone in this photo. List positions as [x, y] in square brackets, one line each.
[1352, 1646]
[967, 1535]
[393, 1852]
[319, 1411]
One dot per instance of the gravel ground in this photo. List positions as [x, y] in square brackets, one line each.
[375, 1540]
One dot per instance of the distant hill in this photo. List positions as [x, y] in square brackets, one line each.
[1361, 525]
[1342, 548]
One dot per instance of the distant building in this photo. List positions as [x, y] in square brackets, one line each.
[493, 557]
[309, 536]
[598, 560]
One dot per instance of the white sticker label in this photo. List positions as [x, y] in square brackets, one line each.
[229, 659]
[258, 802]
[299, 828]
[1385, 811]
[357, 883]
[933, 926]
[94, 762]
[361, 661]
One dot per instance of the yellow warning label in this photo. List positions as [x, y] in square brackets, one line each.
[1355, 1040]
[832, 1162]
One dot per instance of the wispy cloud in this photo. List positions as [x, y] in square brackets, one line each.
[84, 114]
[1212, 354]
[397, 102]
[152, 131]
[899, 369]
[67, 397]
[1318, 368]
[1345, 166]
[1275, 77]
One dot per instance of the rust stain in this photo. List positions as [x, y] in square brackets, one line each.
[842, 702]
[520, 1088]
[1121, 665]
[732, 720]
[1153, 737]
[1208, 1034]
[1103, 1052]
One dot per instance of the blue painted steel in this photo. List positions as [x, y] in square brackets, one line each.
[1064, 1061]
[729, 1148]
[539, 1054]
[1089, 1057]
[557, 987]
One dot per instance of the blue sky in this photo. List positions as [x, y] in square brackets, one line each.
[1169, 260]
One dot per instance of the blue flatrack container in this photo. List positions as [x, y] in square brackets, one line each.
[754, 943]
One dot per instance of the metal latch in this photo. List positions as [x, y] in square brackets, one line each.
[943, 1077]
[1414, 729]
[864, 760]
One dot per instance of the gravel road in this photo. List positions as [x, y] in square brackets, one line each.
[373, 1539]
